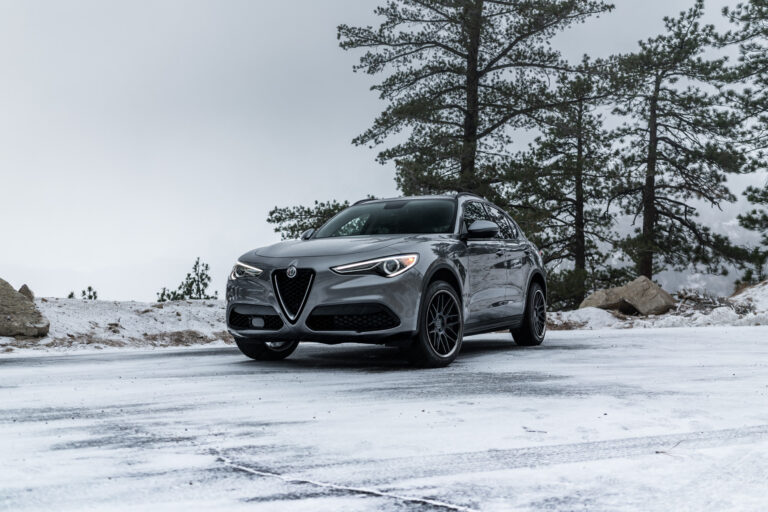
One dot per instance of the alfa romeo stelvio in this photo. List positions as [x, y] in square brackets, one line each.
[416, 272]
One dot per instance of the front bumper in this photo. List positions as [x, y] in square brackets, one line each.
[329, 293]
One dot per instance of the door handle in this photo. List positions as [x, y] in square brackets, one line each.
[500, 252]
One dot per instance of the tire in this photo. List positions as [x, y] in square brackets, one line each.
[265, 351]
[441, 328]
[531, 333]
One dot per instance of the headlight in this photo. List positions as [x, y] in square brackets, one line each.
[388, 267]
[242, 270]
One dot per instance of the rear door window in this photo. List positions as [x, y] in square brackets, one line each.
[506, 231]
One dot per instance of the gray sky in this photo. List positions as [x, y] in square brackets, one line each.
[137, 135]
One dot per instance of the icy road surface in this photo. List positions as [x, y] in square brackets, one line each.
[651, 419]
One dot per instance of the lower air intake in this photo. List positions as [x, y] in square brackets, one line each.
[266, 322]
[356, 317]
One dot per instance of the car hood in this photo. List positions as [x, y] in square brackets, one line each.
[337, 246]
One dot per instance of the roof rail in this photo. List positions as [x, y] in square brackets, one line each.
[361, 201]
[459, 194]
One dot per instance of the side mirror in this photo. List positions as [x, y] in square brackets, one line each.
[308, 233]
[482, 229]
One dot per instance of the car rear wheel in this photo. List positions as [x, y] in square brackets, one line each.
[534, 327]
[266, 350]
[441, 327]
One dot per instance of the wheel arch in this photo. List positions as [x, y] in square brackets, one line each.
[443, 272]
[537, 276]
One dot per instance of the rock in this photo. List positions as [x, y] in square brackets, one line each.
[18, 314]
[647, 297]
[610, 298]
[25, 291]
[641, 296]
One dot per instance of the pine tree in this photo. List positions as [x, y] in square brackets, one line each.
[559, 192]
[680, 147]
[194, 286]
[89, 294]
[460, 75]
[292, 221]
[751, 37]
[756, 220]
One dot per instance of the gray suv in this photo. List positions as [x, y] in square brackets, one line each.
[416, 272]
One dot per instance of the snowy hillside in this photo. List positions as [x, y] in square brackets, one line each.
[80, 324]
[757, 295]
[101, 324]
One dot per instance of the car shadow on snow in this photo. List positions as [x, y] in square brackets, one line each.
[377, 358]
[470, 374]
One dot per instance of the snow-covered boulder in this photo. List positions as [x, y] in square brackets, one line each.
[18, 314]
[584, 318]
[754, 296]
[641, 295]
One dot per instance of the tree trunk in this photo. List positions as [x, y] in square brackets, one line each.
[473, 20]
[647, 239]
[579, 245]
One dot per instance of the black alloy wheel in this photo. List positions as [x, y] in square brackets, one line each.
[441, 327]
[534, 326]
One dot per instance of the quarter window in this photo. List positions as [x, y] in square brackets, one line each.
[515, 229]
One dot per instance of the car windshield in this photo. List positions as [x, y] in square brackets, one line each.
[396, 217]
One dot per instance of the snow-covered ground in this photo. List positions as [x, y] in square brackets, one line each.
[604, 420]
[750, 307]
[103, 325]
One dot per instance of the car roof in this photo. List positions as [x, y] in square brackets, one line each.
[411, 198]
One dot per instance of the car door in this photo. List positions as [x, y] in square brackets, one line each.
[515, 259]
[524, 263]
[487, 271]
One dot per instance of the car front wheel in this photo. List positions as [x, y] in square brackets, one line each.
[266, 350]
[534, 327]
[441, 327]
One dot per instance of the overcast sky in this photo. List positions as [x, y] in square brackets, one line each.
[138, 135]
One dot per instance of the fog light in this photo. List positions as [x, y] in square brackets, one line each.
[257, 322]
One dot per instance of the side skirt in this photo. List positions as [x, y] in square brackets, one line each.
[511, 322]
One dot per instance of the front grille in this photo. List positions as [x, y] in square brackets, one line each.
[292, 292]
[357, 317]
[241, 321]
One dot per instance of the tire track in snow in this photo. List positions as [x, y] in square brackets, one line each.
[350, 490]
[389, 470]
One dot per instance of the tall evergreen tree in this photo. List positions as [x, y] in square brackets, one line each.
[461, 75]
[756, 220]
[680, 147]
[559, 192]
[751, 37]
